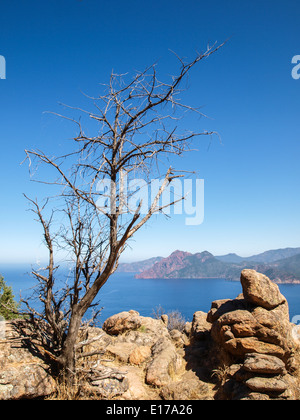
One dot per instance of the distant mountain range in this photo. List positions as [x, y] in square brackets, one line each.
[281, 265]
[264, 258]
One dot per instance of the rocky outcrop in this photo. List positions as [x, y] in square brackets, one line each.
[254, 337]
[243, 349]
[165, 363]
[23, 374]
[144, 360]
[260, 291]
[147, 343]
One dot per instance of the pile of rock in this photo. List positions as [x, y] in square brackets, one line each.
[139, 357]
[248, 342]
[254, 338]
[143, 342]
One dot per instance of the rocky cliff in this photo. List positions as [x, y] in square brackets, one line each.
[243, 349]
[166, 266]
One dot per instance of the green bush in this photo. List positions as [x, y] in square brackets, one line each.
[8, 307]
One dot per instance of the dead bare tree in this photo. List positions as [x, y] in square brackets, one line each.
[95, 216]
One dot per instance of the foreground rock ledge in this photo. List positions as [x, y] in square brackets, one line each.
[243, 349]
[22, 374]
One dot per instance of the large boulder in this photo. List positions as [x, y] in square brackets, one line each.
[28, 380]
[23, 375]
[122, 322]
[165, 363]
[260, 290]
[120, 351]
[144, 343]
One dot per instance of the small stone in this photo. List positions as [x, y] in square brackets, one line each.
[188, 328]
[165, 319]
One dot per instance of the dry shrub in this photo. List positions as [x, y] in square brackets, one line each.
[176, 320]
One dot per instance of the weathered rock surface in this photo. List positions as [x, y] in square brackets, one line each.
[258, 289]
[122, 322]
[152, 351]
[165, 364]
[137, 390]
[262, 363]
[267, 385]
[140, 355]
[22, 374]
[200, 327]
[157, 363]
[109, 388]
[189, 387]
[120, 351]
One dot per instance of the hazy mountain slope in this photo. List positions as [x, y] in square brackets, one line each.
[286, 270]
[264, 258]
[139, 266]
[230, 258]
[162, 268]
[274, 255]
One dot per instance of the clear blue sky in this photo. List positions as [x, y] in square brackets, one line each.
[56, 49]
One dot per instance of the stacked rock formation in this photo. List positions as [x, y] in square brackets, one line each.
[254, 338]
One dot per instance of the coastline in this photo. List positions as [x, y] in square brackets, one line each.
[276, 281]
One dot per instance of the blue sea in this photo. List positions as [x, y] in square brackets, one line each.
[123, 292]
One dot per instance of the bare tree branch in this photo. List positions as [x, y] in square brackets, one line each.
[138, 127]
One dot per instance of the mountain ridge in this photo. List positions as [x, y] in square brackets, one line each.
[138, 266]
